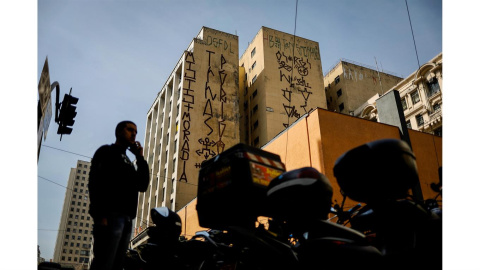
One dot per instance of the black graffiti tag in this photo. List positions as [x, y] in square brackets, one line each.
[206, 151]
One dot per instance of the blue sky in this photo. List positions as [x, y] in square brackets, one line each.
[116, 56]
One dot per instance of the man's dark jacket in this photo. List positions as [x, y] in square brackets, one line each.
[114, 183]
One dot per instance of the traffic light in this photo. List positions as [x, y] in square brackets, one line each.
[67, 114]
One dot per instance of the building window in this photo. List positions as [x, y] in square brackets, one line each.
[254, 94]
[254, 79]
[433, 87]
[255, 125]
[415, 97]
[438, 132]
[339, 92]
[404, 103]
[255, 142]
[254, 64]
[341, 107]
[337, 79]
[253, 52]
[436, 107]
[255, 109]
[174, 163]
[419, 119]
[409, 124]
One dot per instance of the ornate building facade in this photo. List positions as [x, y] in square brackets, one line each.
[421, 98]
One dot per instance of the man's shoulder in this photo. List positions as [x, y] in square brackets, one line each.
[102, 150]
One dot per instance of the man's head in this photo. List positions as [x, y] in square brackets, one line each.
[126, 132]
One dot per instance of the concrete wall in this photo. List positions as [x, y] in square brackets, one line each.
[357, 83]
[194, 117]
[289, 83]
[209, 109]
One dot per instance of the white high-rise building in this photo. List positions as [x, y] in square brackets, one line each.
[74, 239]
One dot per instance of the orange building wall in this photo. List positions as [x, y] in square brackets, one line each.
[189, 214]
[320, 138]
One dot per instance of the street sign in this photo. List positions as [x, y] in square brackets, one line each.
[44, 88]
[44, 93]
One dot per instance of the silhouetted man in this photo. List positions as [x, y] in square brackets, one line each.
[114, 183]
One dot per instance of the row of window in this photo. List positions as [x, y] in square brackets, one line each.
[80, 203]
[74, 230]
[76, 217]
[82, 165]
[81, 191]
[81, 172]
[77, 252]
[81, 223]
[75, 259]
[85, 198]
[72, 209]
[81, 184]
[78, 177]
[432, 88]
[65, 244]
[79, 237]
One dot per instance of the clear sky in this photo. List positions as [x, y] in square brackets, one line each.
[116, 56]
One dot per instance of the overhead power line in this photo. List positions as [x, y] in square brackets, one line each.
[54, 182]
[411, 28]
[66, 151]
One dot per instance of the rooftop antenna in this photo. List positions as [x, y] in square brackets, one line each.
[378, 73]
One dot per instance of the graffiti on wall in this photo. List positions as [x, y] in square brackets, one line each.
[350, 74]
[213, 99]
[287, 64]
[283, 44]
[188, 101]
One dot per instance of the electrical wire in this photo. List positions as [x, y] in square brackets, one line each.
[291, 80]
[411, 28]
[66, 151]
[54, 182]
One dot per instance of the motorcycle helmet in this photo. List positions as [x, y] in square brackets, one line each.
[299, 194]
[167, 224]
[377, 171]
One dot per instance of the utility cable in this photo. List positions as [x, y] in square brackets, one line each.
[54, 182]
[66, 151]
[411, 28]
[291, 80]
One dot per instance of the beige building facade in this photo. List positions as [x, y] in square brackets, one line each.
[74, 239]
[280, 80]
[193, 118]
[349, 85]
[421, 98]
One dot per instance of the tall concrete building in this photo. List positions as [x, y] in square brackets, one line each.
[421, 98]
[349, 84]
[193, 118]
[74, 239]
[280, 80]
